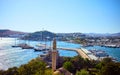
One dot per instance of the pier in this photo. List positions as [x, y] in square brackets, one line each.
[82, 52]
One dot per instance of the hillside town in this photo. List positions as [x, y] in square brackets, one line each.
[111, 40]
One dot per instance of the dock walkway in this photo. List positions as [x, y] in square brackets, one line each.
[80, 52]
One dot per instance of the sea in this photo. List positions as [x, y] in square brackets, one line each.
[15, 57]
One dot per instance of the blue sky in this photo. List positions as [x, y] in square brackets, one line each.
[86, 16]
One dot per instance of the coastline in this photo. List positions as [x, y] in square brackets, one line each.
[12, 54]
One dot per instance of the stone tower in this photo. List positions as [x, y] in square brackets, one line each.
[54, 55]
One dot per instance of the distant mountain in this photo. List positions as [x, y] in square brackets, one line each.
[116, 34]
[11, 33]
[40, 35]
[102, 35]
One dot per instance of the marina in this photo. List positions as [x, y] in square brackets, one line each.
[111, 46]
[16, 56]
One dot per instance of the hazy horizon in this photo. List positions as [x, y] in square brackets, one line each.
[63, 32]
[61, 16]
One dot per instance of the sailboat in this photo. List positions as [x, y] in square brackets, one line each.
[41, 47]
[15, 43]
[25, 45]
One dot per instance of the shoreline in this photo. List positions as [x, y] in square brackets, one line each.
[89, 45]
[63, 44]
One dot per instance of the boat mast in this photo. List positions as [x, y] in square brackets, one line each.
[42, 34]
[15, 41]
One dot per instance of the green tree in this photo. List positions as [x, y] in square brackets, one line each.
[110, 69]
[48, 72]
[11, 71]
[33, 67]
[2, 72]
[78, 62]
[106, 60]
[82, 72]
[99, 65]
[69, 66]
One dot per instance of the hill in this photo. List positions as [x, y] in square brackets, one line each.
[11, 33]
[40, 35]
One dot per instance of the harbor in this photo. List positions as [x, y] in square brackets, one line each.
[89, 54]
[82, 51]
[16, 56]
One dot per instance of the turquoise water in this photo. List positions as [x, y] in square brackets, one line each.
[10, 57]
[67, 53]
[113, 52]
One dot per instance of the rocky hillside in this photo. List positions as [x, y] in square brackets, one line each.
[10, 33]
[40, 35]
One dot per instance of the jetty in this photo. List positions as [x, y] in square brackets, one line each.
[82, 52]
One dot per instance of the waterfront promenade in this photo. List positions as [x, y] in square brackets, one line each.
[82, 52]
